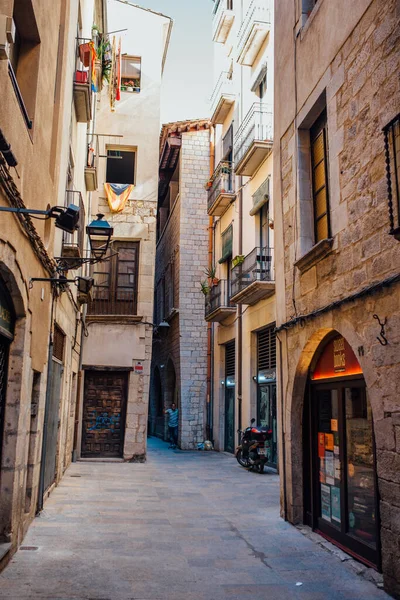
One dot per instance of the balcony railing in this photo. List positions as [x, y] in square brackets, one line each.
[83, 82]
[222, 98]
[73, 243]
[106, 301]
[253, 139]
[253, 31]
[223, 20]
[257, 268]
[217, 305]
[222, 190]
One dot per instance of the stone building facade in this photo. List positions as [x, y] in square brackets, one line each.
[179, 363]
[116, 354]
[41, 324]
[241, 307]
[338, 274]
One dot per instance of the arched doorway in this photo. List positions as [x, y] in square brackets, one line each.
[7, 323]
[158, 404]
[339, 467]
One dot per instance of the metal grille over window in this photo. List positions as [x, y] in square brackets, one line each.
[58, 343]
[230, 360]
[392, 157]
[227, 240]
[266, 353]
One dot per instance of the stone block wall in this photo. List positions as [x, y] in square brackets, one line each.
[362, 95]
[193, 260]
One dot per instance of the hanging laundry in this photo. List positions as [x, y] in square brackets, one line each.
[118, 73]
[93, 57]
[117, 195]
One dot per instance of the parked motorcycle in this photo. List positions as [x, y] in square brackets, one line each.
[251, 453]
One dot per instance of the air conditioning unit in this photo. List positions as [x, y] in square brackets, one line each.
[7, 36]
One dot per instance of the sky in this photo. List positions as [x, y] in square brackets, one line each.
[187, 80]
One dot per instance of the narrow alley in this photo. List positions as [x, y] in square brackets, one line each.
[182, 526]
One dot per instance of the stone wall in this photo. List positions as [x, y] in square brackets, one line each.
[195, 168]
[362, 94]
[183, 348]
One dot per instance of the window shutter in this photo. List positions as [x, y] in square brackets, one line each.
[227, 241]
[230, 359]
[266, 349]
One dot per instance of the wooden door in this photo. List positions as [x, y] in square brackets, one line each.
[104, 410]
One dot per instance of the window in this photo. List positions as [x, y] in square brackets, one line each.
[392, 155]
[121, 166]
[130, 74]
[115, 282]
[23, 66]
[318, 139]
[264, 226]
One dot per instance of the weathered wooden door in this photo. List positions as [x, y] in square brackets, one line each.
[104, 410]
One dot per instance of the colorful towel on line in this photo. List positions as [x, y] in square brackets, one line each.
[117, 195]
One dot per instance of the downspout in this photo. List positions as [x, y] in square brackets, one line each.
[283, 431]
[239, 317]
[210, 349]
[39, 507]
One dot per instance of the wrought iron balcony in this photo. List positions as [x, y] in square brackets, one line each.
[253, 140]
[73, 243]
[222, 190]
[83, 82]
[254, 30]
[254, 278]
[92, 164]
[222, 98]
[218, 306]
[223, 20]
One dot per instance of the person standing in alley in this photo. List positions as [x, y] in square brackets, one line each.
[173, 414]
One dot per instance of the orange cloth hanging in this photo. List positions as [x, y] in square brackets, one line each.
[117, 195]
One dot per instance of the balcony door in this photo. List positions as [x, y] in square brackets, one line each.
[229, 445]
[116, 281]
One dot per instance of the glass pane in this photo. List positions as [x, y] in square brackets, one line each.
[360, 466]
[319, 176]
[264, 407]
[320, 203]
[322, 229]
[329, 456]
[126, 254]
[318, 149]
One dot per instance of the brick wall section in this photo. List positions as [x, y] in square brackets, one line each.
[362, 96]
[185, 344]
[193, 260]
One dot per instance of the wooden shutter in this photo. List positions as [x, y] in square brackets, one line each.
[320, 179]
[266, 349]
[230, 359]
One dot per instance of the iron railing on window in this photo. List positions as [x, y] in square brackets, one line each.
[259, 11]
[224, 85]
[391, 134]
[257, 266]
[222, 182]
[83, 71]
[106, 301]
[218, 297]
[256, 126]
[76, 239]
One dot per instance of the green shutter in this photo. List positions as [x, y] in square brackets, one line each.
[227, 238]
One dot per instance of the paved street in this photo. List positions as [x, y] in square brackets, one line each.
[183, 526]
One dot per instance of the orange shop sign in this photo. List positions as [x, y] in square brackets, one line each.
[337, 360]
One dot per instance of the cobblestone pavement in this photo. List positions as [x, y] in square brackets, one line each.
[183, 526]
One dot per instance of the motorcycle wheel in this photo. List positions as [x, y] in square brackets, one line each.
[243, 462]
[260, 468]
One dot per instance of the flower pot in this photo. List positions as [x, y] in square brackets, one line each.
[123, 88]
[129, 89]
[215, 281]
[84, 54]
[81, 76]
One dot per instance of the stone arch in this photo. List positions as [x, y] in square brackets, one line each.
[12, 460]
[295, 394]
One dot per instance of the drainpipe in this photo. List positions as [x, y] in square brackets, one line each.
[46, 409]
[210, 349]
[239, 317]
[283, 460]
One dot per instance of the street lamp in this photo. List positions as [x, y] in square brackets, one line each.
[66, 218]
[99, 233]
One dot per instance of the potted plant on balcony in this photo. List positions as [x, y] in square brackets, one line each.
[205, 288]
[211, 274]
[238, 260]
[129, 85]
[208, 184]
